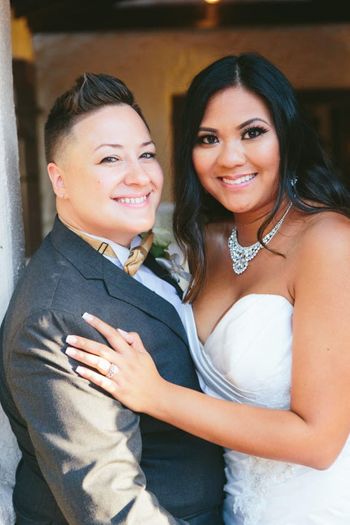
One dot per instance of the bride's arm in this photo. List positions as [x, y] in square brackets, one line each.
[314, 430]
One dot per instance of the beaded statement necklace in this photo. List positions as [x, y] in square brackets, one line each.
[242, 255]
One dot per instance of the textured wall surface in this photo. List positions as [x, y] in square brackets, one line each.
[11, 241]
[158, 64]
[11, 233]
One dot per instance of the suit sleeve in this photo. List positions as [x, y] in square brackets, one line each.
[88, 445]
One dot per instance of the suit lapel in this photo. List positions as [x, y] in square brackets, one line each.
[125, 288]
[119, 285]
[84, 258]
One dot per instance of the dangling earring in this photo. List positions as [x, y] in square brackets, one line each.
[293, 183]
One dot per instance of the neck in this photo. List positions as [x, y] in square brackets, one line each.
[77, 228]
[248, 224]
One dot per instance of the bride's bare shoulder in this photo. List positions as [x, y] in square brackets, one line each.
[325, 225]
[326, 237]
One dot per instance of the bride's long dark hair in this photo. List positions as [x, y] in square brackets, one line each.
[306, 175]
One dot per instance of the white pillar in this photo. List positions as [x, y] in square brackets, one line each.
[11, 240]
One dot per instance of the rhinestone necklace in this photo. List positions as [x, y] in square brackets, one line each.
[242, 255]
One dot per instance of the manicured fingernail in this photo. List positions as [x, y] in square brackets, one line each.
[122, 332]
[71, 339]
[87, 317]
[71, 351]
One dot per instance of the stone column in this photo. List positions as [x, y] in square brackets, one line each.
[11, 240]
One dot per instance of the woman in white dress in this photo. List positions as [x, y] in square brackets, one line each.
[264, 224]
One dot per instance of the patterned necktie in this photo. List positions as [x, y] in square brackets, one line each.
[138, 254]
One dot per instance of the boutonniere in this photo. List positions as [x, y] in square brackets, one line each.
[167, 253]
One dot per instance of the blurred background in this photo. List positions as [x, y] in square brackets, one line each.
[156, 47]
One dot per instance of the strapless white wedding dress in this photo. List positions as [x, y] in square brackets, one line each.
[247, 359]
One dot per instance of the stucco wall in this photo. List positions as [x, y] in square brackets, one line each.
[157, 65]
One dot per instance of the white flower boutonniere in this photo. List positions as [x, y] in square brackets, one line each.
[167, 253]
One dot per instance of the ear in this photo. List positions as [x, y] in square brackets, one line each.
[57, 180]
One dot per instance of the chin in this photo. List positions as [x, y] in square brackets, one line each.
[235, 208]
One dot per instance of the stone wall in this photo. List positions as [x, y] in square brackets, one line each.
[11, 242]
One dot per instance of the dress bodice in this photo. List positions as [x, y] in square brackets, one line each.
[247, 359]
[251, 347]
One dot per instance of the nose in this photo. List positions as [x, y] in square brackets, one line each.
[136, 174]
[231, 154]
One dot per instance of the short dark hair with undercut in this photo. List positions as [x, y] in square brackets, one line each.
[90, 92]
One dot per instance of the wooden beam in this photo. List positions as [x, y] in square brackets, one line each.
[67, 16]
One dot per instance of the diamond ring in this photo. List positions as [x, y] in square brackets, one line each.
[112, 370]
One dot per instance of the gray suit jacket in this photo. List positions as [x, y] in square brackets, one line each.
[86, 458]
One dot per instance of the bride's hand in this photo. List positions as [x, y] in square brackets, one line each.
[126, 370]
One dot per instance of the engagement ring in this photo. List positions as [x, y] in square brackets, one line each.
[111, 371]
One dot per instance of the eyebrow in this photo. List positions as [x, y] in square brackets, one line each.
[148, 143]
[243, 125]
[247, 122]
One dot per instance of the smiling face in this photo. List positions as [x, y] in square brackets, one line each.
[106, 177]
[236, 156]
